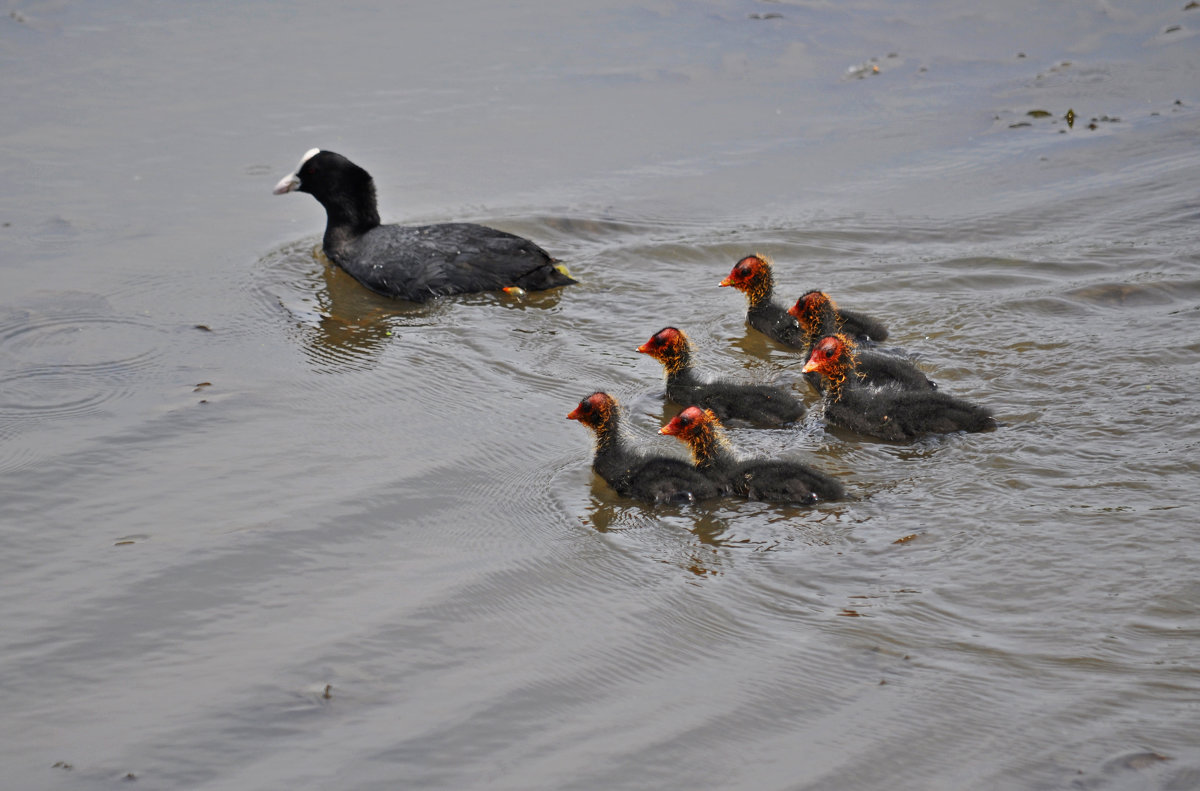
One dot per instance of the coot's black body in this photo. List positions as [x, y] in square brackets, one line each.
[632, 472]
[761, 404]
[772, 480]
[413, 262]
[889, 412]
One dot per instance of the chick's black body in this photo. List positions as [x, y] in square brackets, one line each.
[903, 415]
[761, 404]
[889, 412]
[772, 480]
[769, 318]
[878, 369]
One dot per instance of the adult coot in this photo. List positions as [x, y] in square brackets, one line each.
[631, 471]
[756, 479]
[888, 412]
[413, 262]
[757, 403]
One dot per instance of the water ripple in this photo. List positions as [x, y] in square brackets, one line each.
[69, 355]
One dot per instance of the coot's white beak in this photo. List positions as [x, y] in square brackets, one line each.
[289, 183]
[292, 183]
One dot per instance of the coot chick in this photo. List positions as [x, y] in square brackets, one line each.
[630, 471]
[413, 262]
[818, 315]
[888, 412]
[753, 277]
[756, 479]
[757, 403]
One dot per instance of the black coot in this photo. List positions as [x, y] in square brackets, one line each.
[413, 262]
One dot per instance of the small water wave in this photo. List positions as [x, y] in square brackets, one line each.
[66, 356]
[46, 393]
[70, 355]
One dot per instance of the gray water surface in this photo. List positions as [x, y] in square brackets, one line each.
[262, 529]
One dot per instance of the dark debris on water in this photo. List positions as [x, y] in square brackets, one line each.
[1069, 117]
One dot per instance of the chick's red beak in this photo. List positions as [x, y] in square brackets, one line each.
[671, 429]
[726, 282]
[575, 414]
[812, 365]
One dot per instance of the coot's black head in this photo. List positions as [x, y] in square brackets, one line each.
[322, 173]
[345, 190]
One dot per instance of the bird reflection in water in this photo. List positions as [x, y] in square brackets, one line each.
[350, 324]
[346, 324]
